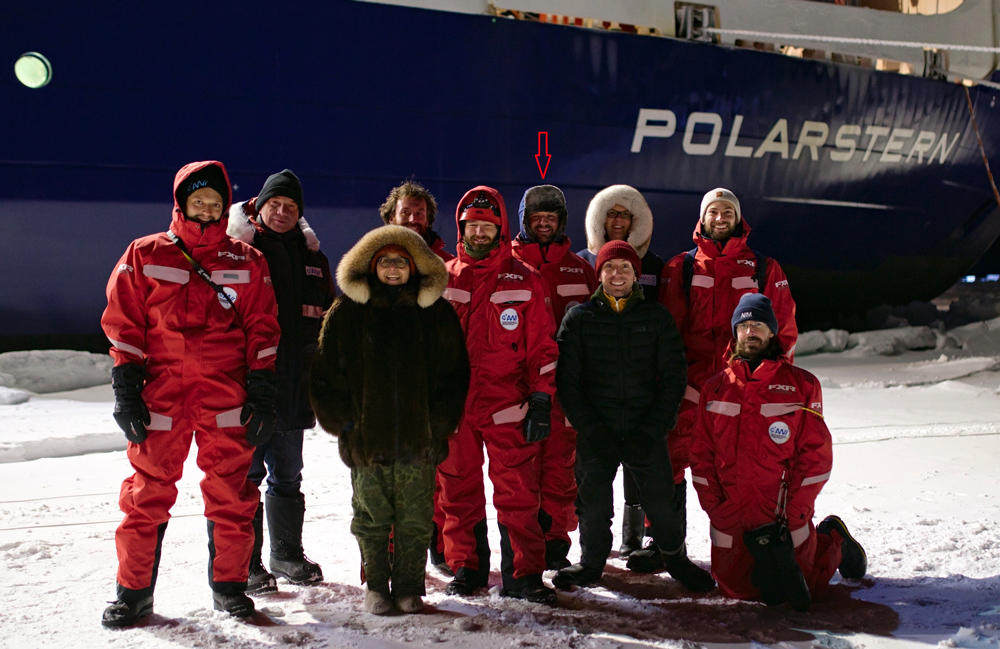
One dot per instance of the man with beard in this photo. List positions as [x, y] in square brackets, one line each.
[543, 245]
[621, 379]
[412, 206]
[503, 306]
[760, 454]
[701, 288]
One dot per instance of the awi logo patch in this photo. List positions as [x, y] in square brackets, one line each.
[509, 319]
[231, 292]
[779, 432]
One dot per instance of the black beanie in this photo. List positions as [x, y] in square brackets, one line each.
[286, 184]
[209, 176]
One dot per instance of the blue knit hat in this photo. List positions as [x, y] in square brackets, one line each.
[757, 307]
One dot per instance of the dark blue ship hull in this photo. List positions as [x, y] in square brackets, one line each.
[356, 97]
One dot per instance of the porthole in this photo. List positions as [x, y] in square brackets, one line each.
[33, 70]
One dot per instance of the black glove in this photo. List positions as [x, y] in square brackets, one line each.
[537, 423]
[131, 412]
[258, 412]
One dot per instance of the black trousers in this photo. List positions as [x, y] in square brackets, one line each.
[597, 462]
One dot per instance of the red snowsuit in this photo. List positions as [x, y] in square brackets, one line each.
[509, 328]
[752, 431]
[720, 276]
[570, 280]
[438, 249]
[196, 352]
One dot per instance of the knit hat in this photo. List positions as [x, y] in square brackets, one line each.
[390, 249]
[543, 198]
[209, 176]
[284, 183]
[618, 250]
[757, 307]
[720, 194]
[482, 207]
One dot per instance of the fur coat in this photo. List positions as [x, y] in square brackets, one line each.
[392, 371]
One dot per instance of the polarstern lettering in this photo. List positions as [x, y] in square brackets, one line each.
[895, 144]
[235, 257]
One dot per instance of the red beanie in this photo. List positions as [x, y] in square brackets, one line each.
[389, 249]
[618, 250]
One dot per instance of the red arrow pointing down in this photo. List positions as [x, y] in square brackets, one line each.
[543, 136]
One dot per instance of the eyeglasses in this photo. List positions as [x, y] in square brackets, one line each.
[624, 214]
[393, 262]
[748, 325]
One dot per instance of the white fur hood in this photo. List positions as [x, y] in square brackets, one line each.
[240, 227]
[629, 197]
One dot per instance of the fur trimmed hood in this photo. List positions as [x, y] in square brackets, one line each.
[354, 269]
[642, 218]
[241, 229]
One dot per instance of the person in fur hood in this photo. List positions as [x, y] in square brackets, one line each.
[390, 381]
[273, 223]
[620, 213]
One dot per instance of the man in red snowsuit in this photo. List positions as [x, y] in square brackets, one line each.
[191, 360]
[701, 288]
[571, 280]
[503, 307]
[760, 454]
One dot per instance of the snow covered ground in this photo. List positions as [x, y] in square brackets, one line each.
[917, 438]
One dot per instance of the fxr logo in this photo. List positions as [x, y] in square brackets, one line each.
[510, 276]
[746, 262]
[782, 283]
[781, 388]
[226, 253]
[125, 268]
[566, 269]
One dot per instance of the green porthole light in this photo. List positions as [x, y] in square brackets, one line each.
[33, 70]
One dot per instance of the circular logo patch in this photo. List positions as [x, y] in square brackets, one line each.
[509, 319]
[571, 304]
[779, 432]
[231, 292]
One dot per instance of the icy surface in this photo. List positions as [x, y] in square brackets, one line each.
[915, 477]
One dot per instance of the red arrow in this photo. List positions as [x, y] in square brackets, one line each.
[543, 136]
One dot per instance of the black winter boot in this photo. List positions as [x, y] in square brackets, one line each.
[236, 604]
[683, 570]
[530, 588]
[130, 607]
[556, 552]
[466, 582]
[853, 560]
[633, 530]
[259, 580]
[576, 575]
[284, 520]
[776, 572]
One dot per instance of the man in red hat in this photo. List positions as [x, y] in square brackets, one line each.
[504, 310]
[193, 327]
[621, 380]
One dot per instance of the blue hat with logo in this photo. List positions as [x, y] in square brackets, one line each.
[757, 307]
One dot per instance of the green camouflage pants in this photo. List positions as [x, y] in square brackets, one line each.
[397, 497]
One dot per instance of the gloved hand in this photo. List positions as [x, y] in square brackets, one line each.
[537, 423]
[258, 412]
[131, 412]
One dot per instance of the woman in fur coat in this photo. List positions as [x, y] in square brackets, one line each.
[390, 381]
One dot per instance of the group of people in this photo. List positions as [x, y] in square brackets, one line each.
[563, 366]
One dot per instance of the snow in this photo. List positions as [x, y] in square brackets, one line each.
[916, 435]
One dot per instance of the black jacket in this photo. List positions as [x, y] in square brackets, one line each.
[620, 374]
[303, 286]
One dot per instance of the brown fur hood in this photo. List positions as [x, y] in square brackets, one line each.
[354, 269]
[642, 218]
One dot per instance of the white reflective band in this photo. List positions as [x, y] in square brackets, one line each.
[568, 425]
[566, 290]
[229, 418]
[231, 276]
[779, 409]
[264, 353]
[703, 281]
[691, 394]
[548, 368]
[648, 280]
[510, 415]
[792, 350]
[727, 408]
[697, 479]
[166, 273]
[159, 422]
[816, 478]
[800, 535]
[517, 295]
[456, 295]
[310, 311]
[135, 351]
[720, 539]
[741, 283]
